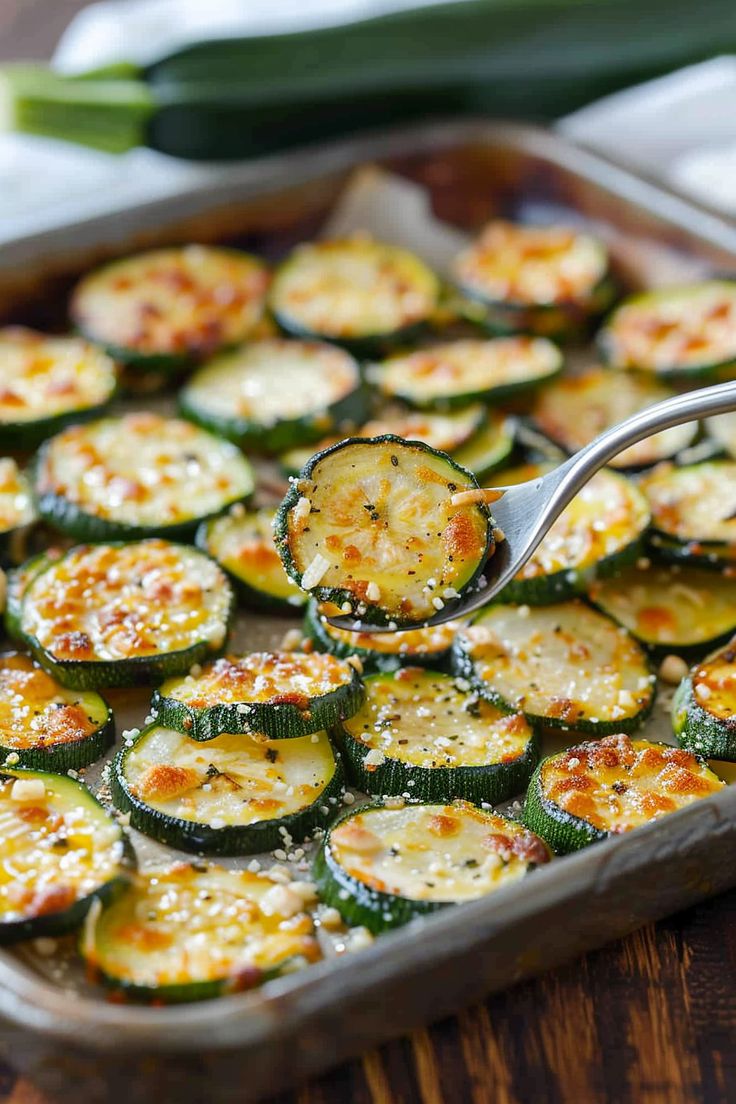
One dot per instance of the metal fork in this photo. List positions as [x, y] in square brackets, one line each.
[526, 511]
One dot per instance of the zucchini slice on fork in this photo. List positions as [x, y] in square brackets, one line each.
[375, 527]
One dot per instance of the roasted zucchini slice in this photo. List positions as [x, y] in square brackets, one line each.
[678, 332]
[17, 510]
[272, 395]
[445, 431]
[383, 866]
[354, 291]
[59, 852]
[46, 726]
[192, 931]
[370, 525]
[430, 735]
[682, 609]
[137, 476]
[169, 307]
[459, 372]
[606, 787]
[566, 666]
[18, 581]
[532, 279]
[125, 614]
[704, 707]
[491, 447]
[694, 511]
[722, 431]
[277, 694]
[602, 529]
[381, 652]
[46, 382]
[242, 543]
[574, 410]
[232, 796]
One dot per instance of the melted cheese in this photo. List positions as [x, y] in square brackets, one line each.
[564, 662]
[669, 605]
[54, 851]
[381, 515]
[243, 543]
[435, 852]
[182, 925]
[144, 470]
[681, 327]
[405, 642]
[531, 264]
[110, 602]
[617, 784]
[466, 367]
[425, 719]
[43, 376]
[231, 780]
[714, 684]
[575, 409]
[353, 288]
[267, 382]
[16, 502]
[36, 712]
[176, 302]
[695, 503]
[604, 518]
[275, 678]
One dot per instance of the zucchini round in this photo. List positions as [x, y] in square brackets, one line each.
[459, 372]
[47, 382]
[575, 409]
[490, 448]
[59, 852]
[382, 866]
[681, 609]
[381, 652]
[694, 511]
[193, 931]
[137, 476]
[272, 395]
[18, 581]
[125, 614]
[679, 332]
[355, 291]
[46, 726]
[232, 796]
[445, 431]
[601, 530]
[565, 666]
[426, 733]
[704, 707]
[281, 695]
[17, 511]
[606, 787]
[542, 280]
[370, 525]
[242, 543]
[169, 307]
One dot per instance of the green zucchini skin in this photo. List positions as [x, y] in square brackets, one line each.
[283, 721]
[60, 923]
[490, 449]
[118, 673]
[339, 596]
[25, 436]
[191, 836]
[709, 554]
[562, 831]
[19, 579]
[566, 323]
[359, 904]
[373, 662]
[699, 731]
[247, 592]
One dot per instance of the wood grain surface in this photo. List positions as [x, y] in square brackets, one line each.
[649, 1020]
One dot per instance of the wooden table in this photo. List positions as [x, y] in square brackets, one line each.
[649, 1020]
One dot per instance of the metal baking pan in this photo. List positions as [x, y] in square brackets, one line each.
[66, 1036]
